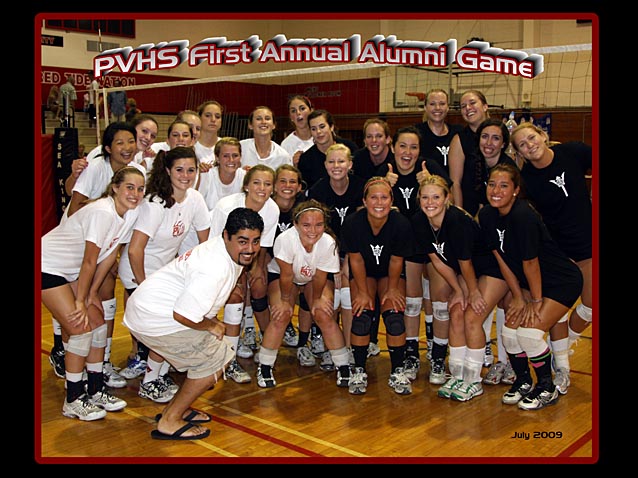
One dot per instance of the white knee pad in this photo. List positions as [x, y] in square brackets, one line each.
[99, 337]
[584, 312]
[413, 306]
[510, 340]
[425, 283]
[337, 301]
[80, 344]
[346, 301]
[563, 319]
[233, 313]
[109, 306]
[531, 341]
[439, 311]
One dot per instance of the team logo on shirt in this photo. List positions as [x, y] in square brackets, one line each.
[342, 211]
[184, 256]
[501, 237]
[306, 271]
[376, 250]
[444, 150]
[560, 182]
[406, 193]
[113, 242]
[440, 249]
[283, 226]
[178, 229]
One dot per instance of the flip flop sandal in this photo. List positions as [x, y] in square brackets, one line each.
[178, 435]
[190, 417]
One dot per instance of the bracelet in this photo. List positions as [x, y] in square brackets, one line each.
[536, 301]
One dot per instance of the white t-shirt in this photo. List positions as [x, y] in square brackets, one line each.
[97, 222]
[269, 213]
[324, 256]
[211, 187]
[250, 156]
[292, 143]
[166, 229]
[195, 285]
[160, 146]
[204, 153]
[93, 181]
[97, 151]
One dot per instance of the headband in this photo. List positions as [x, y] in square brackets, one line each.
[311, 208]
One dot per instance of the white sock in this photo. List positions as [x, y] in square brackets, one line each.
[473, 364]
[152, 370]
[500, 322]
[164, 368]
[234, 341]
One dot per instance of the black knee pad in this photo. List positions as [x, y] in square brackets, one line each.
[259, 305]
[361, 324]
[394, 323]
[303, 304]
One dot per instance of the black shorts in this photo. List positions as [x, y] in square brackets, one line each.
[50, 281]
[419, 259]
[486, 265]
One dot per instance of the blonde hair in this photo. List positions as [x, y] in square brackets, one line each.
[425, 101]
[339, 147]
[435, 180]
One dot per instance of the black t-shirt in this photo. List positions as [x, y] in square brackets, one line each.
[394, 239]
[559, 193]
[437, 147]
[472, 184]
[363, 166]
[458, 239]
[285, 221]
[341, 206]
[311, 162]
[406, 189]
[521, 235]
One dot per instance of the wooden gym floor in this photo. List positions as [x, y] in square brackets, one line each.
[307, 419]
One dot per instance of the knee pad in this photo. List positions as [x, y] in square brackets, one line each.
[394, 323]
[99, 337]
[425, 283]
[531, 341]
[346, 300]
[233, 313]
[413, 306]
[510, 340]
[303, 303]
[337, 301]
[439, 311]
[584, 312]
[259, 305]
[80, 344]
[361, 324]
[563, 319]
[109, 306]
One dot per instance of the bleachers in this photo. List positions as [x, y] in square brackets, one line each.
[88, 137]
